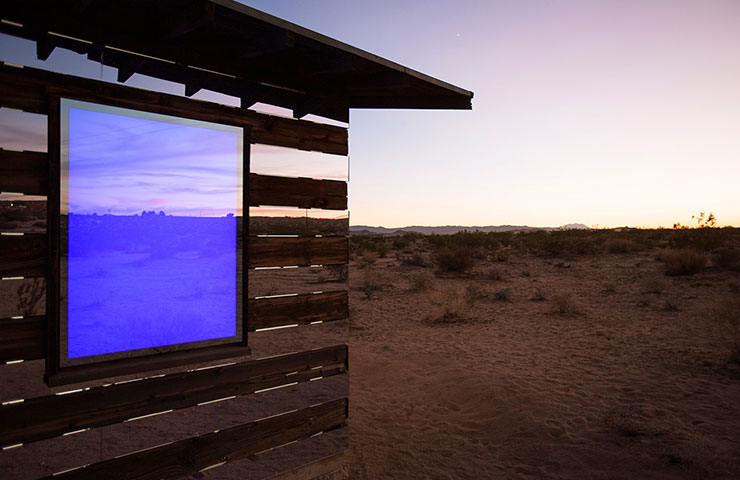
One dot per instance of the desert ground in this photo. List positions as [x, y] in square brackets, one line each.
[602, 355]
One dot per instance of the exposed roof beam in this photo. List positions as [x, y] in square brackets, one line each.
[45, 45]
[198, 15]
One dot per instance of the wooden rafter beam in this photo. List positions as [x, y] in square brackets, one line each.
[198, 15]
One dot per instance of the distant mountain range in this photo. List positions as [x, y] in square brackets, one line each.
[450, 229]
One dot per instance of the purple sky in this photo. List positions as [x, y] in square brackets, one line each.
[121, 164]
[606, 113]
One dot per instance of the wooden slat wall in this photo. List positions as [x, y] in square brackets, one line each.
[310, 317]
[46, 417]
[28, 88]
[194, 454]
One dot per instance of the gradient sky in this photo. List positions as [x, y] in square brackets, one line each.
[124, 162]
[605, 113]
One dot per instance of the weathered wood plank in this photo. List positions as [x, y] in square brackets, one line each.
[281, 281]
[212, 449]
[22, 338]
[22, 256]
[23, 172]
[299, 309]
[27, 89]
[307, 225]
[278, 251]
[25, 255]
[297, 192]
[316, 469]
[46, 417]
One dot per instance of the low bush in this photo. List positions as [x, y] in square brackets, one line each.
[727, 257]
[727, 316]
[422, 281]
[455, 260]
[496, 274]
[503, 295]
[620, 245]
[373, 281]
[452, 306]
[563, 303]
[653, 285]
[685, 261]
[416, 259]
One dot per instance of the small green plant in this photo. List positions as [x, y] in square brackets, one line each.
[563, 303]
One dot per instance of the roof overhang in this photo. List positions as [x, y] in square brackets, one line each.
[227, 47]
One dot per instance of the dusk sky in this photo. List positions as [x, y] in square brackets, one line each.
[122, 162]
[605, 113]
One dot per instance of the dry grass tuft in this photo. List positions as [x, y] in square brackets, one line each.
[416, 259]
[455, 259]
[564, 303]
[503, 295]
[422, 281]
[727, 316]
[539, 295]
[684, 261]
[620, 245]
[496, 274]
[373, 281]
[452, 304]
[653, 285]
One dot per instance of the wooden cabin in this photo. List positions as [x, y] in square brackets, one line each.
[271, 400]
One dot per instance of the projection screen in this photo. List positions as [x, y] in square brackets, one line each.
[151, 213]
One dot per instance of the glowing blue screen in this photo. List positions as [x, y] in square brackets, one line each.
[149, 206]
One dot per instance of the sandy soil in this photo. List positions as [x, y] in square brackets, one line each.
[625, 384]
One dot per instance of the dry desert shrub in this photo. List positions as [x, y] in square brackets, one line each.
[563, 303]
[503, 295]
[369, 257]
[653, 285]
[539, 295]
[416, 259]
[422, 281]
[609, 287]
[473, 293]
[727, 316]
[373, 281]
[620, 245]
[455, 259]
[728, 257]
[684, 261]
[452, 304]
[496, 274]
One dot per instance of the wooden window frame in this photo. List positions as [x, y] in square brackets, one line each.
[59, 375]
